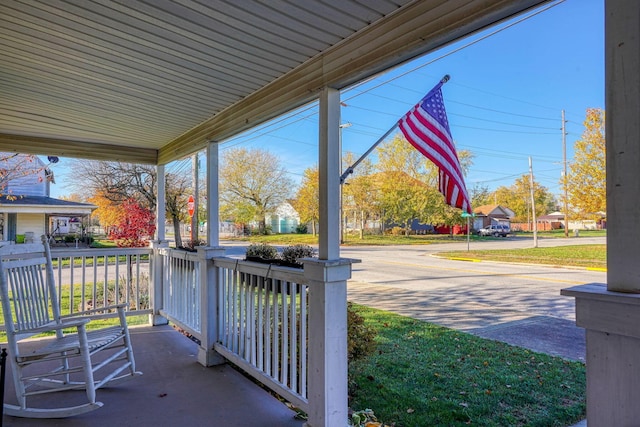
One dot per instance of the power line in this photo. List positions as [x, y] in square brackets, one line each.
[471, 43]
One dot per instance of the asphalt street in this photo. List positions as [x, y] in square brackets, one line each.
[515, 303]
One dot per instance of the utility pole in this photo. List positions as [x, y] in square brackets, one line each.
[533, 206]
[196, 184]
[565, 177]
[342, 219]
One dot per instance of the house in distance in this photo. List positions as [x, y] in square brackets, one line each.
[26, 209]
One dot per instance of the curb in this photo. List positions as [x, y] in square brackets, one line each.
[572, 267]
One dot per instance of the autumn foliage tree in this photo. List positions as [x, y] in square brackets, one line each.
[587, 180]
[109, 213]
[517, 197]
[252, 185]
[135, 227]
[307, 201]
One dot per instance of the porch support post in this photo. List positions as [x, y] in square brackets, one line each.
[327, 278]
[329, 173]
[156, 276]
[161, 202]
[213, 204]
[207, 356]
[156, 279]
[209, 306]
[327, 380]
[611, 314]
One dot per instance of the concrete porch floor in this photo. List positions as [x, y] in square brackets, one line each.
[174, 390]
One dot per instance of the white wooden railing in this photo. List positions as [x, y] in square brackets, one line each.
[95, 278]
[181, 289]
[262, 324]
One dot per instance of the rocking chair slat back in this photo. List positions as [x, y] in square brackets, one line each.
[27, 286]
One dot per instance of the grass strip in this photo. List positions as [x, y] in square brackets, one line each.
[351, 240]
[427, 375]
[590, 256]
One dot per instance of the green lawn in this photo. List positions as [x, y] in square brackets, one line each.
[352, 240]
[590, 256]
[426, 375]
[388, 240]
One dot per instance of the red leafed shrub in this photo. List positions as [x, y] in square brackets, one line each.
[136, 226]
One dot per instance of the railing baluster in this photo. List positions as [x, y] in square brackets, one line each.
[259, 362]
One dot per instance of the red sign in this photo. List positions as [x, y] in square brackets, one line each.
[191, 205]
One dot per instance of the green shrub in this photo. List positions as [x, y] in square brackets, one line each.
[293, 253]
[261, 250]
[360, 337]
[302, 229]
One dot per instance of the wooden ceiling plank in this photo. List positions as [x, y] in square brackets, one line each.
[348, 63]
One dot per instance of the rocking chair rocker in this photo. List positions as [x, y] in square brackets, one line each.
[84, 360]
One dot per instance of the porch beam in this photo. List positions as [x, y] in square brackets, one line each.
[412, 30]
[329, 173]
[77, 149]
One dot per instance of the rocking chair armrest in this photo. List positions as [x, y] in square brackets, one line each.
[80, 314]
[53, 327]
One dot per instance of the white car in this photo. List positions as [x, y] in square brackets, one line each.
[495, 230]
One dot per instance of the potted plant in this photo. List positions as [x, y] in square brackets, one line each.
[261, 252]
[291, 255]
[192, 245]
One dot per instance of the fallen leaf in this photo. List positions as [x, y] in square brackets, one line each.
[410, 411]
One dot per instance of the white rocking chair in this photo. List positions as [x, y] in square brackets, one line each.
[30, 306]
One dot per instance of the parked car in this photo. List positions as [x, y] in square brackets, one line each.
[495, 230]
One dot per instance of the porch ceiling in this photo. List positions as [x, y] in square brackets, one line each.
[153, 81]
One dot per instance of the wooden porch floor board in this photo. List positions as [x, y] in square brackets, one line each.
[174, 390]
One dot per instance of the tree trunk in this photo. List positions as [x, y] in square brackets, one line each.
[361, 225]
[176, 230]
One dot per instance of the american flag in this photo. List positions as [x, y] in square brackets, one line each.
[426, 127]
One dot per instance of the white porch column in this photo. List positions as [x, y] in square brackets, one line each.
[207, 356]
[156, 266]
[327, 377]
[611, 315]
[161, 212]
[329, 172]
[209, 306]
[213, 204]
[156, 280]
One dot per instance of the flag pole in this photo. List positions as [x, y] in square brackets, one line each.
[350, 169]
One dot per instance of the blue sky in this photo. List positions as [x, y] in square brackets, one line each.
[504, 99]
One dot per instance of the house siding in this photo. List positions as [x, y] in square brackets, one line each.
[28, 177]
[31, 222]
